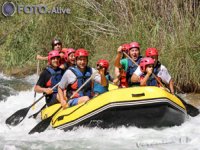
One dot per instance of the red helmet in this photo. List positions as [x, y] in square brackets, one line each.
[125, 47]
[144, 62]
[51, 54]
[64, 50]
[151, 52]
[134, 45]
[55, 41]
[68, 51]
[103, 63]
[81, 52]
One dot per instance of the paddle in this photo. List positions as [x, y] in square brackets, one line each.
[38, 67]
[19, 115]
[191, 110]
[43, 125]
[35, 114]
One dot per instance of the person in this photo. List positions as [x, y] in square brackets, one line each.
[120, 74]
[50, 76]
[146, 67]
[159, 70]
[127, 66]
[56, 45]
[98, 88]
[75, 77]
[69, 58]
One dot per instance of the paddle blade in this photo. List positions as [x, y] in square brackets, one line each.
[191, 110]
[17, 117]
[41, 126]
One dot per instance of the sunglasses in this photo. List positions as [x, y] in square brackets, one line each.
[57, 44]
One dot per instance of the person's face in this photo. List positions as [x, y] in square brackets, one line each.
[55, 62]
[58, 46]
[134, 53]
[149, 68]
[71, 59]
[81, 62]
[155, 58]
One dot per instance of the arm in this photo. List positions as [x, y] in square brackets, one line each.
[166, 78]
[118, 57]
[40, 89]
[39, 57]
[135, 78]
[171, 86]
[136, 75]
[148, 74]
[67, 78]
[61, 98]
[40, 85]
[103, 77]
[144, 80]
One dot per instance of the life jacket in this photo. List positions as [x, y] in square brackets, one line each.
[81, 78]
[122, 79]
[98, 88]
[56, 76]
[131, 69]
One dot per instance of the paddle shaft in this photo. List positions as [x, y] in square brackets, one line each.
[38, 65]
[44, 95]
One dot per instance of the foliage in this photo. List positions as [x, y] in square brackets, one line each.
[102, 26]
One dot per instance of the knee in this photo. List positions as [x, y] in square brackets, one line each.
[83, 99]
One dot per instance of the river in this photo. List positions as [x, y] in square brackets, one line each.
[16, 94]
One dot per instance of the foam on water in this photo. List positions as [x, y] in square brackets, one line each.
[186, 136]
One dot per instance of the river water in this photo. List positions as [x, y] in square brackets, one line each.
[16, 94]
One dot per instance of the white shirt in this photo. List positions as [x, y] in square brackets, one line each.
[69, 78]
[162, 73]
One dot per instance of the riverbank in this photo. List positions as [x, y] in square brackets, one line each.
[194, 99]
[19, 72]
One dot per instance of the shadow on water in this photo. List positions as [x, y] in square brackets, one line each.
[12, 86]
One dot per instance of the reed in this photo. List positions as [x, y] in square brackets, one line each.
[172, 26]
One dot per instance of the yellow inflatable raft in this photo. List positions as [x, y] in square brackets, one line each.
[137, 106]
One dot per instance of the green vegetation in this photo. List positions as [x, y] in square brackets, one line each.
[101, 26]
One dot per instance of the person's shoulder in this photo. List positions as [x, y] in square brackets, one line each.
[124, 60]
[162, 67]
[45, 72]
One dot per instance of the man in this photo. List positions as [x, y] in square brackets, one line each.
[75, 77]
[126, 66]
[56, 45]
[49, 78]
[159, 70]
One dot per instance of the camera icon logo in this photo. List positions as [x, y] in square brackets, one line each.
[8, 9]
